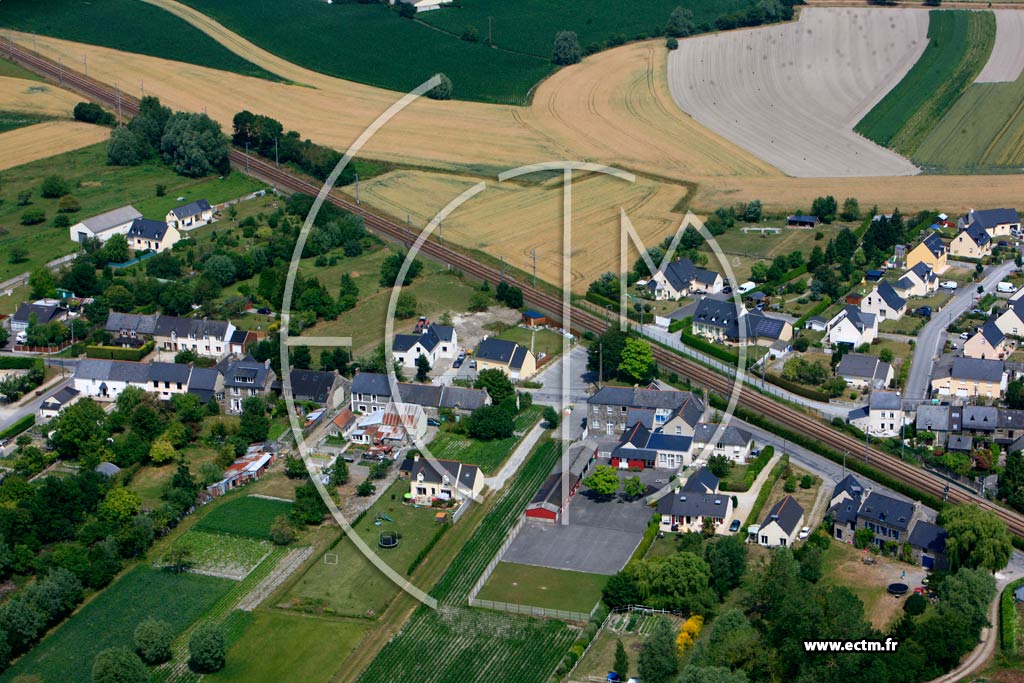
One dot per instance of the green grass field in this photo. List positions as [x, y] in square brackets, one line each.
[12, 120]
[487, 455]
[353, 586]
[539, 341]
[12, 70]
[377, 44]
[530, 25]
[959, 44]
[982, 132]
[524, 584]
[232, 557]
[110, 619]
[279, 646]
[244, 516]
[99, 188]
[125, 25]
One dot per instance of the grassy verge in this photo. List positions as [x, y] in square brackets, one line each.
[524, 584]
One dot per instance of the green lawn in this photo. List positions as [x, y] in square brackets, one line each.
[488, 455]
[125, 25]
[540, 341]
[377, 44]
[353, 586]
[280, 646]
[959, 44]
[150, 481]
[221, 555]
[908, 324]
[524, 584]
[110, 619]
[12, 120]
[99, 188]
[244, 516]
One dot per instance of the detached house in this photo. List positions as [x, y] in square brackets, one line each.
[932, 251]
[920, 280]
[966, 377]
[883, 416]
[860, 370]
[722, 321]
[444, 480]
[44, 313]
[889, 519]
[996, 222]
[433, 342]
[781, 525]
[687, 507]
[735, 443]
[516, 361]
[1011, 320]
[989, 342]
[147, 235]
[683, 278]
[242, 379]
[973, 242]
[851, 326]
[52, 406]
[190, 216]
[612, 409]
[105, 225]
[884, 303]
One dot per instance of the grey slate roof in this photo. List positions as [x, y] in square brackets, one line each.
[681, 273]
[690, 406]
[731, 435]
[426, 395]
[977, 369]
[703, 480]
[786, 513]
[845, 512]
[191, 328]
[932, 418]
[934, 244]
[960, 442]
[849, 485]
[371, 383]
[191, 209]
[694, 504]
[859, 319]
[924, 271]
[112, 370]
[992, 334]
[980, 418]
[60, 398]
[978, 234]
[434, 471]
[990, 218]
[929, 537]
[462, 398]
[518, 358]
[890, 297]
[147, 229]
[496, 350]
[887, 510]
[203, 383]
[669, 442]
[862, 366]
[311, 385]
[643, 416]
[429, 338]
[43, 312]
[725, 316]
[247, 368]
[904, 283]
[1009, 419]
[141, 324]
[169, 372]
[885, 400]
[111, 219]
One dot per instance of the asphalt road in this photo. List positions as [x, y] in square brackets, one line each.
[11, 414]
[931, 335]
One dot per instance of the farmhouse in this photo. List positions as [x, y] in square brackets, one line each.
[932, 251]
[552, 498]
[641, 448]
[852, 327]
[973, 242]
[431, 479]
[687, 508]
[966, 377]
[423, 5]
[781, 525]
[51, 407]
[207, 338]
[1011, 320]
[722, 321]
[189, 216]
[920, 280]
[803, 221]
[105, 225]
[44, 313]
[734, 442]
[433, 342]
[989, 342]
[889, 519]
[516, 361]
[681, 278]
[147, 235]
[613, 409]
[861, 370]
[883, 416]
[884, 303]
[996, 222]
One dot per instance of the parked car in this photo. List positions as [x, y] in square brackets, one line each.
[805, 532]
[727, 289]
[965, 335]
[949, 284]
[472, 364]
[735, 526]
[1006, 287]
[923, 311]
[457, 364]
[431, 422]
[953, 346]
[977, 311]
[1003, 243]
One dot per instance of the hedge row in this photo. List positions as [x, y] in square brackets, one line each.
[16, 363]
[815, 446]
[18, 427]
[119, 353]
[650, 534]
[798, 389]
[418, 560]
[1008, 619]
[762, 495]
[753, 469]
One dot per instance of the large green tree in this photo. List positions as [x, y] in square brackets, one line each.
[566, 49]
[153, 640]
[659, 661]
[207, 648]
[254, 425]
[194, 146]
[605, 354]
[81, 426]
[497, 383]
[976, 538]
[119, 665]
[637, 362]
[604, 481]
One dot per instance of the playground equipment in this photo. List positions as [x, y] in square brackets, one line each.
[388, 539]
[898, 588]
[381, 518]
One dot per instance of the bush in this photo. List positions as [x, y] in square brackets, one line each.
[90, 112]
[118, 665]
[53, 187]
[207, 648]
[153, 641]
[68, 204]
[672, 44]
[441, 91]
[915, 605]
[33, 217]
[282, 533]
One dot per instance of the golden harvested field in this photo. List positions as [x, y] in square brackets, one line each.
[33, 97]
[510, 220]
[42, 140]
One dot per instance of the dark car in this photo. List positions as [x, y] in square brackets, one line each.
[923, 311]
[457, 363]
[1004, 243]
[727, 289]
[431, 422]
[263, 311]
[735, 526]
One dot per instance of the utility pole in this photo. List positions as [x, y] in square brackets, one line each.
[440, 231]
[533, 255]
[246, 157]
[277, 161]
[35, 48]
[85, 63]
[503, 266]
[866, 446]
[60, 70]
[117, 99]
[357, 188]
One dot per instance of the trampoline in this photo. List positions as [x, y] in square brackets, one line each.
[898, 588]
[388, 539]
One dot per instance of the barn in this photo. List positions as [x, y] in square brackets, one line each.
[551, 498]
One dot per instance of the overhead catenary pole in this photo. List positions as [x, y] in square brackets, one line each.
[85, 63]
[142, 87]
[246, 157]
[533, 255]
[277, 162]
[357, 188]
[117, 99]
[60, 70]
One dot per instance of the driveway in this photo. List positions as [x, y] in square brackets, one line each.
[934, 333]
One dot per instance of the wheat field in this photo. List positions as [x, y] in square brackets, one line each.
[22, 145]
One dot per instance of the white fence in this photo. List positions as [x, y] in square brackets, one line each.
[461, 510]
[541, 612]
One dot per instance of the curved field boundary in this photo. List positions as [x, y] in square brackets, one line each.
[43, 140]
[959, 45]
[792, 93]
[1007, 60]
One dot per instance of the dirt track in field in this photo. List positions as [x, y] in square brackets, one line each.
[1007, 60]
[22, 145]
[791, 93]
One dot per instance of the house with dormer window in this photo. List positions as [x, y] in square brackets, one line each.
[443, 480]
[888, 518]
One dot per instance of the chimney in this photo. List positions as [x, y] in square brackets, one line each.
[416, 456]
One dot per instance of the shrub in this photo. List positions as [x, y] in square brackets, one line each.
[672, 44]
[915, 605]
[68, 204]
[207, 648]
[33, 217]
[53, 187]
[153, 641]
[282, 533]
[118, 665]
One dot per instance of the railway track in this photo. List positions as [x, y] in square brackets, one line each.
[583, 320]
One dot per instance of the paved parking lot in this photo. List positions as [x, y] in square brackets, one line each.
[599, 538]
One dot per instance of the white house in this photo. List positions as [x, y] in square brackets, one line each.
[682, 278]
[51, 407]
[883, 416]
[851, 326]
[686, 508]
[920, 280]
[189, 216]
[884, 303]
[734, 442]
[147, 235]
[1011, 320]
[996, 222]
[423, 5]
[782, 524]
[434, 342]
[105, 225]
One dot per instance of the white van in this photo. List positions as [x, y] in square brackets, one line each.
[949, 284]
[746, 287]
[1006, 288]
[21, 337]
